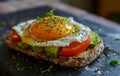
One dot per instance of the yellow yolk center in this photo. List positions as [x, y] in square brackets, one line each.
[50, 28]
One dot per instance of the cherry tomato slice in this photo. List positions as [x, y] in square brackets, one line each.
[75, 48]
[15, 37]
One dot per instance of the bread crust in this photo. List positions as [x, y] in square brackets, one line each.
[79, 60]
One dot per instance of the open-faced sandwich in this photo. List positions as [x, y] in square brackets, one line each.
[57, 39]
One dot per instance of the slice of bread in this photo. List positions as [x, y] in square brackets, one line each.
[79, 60]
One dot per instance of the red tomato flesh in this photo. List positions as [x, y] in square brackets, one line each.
[15, 37]
[75, 48]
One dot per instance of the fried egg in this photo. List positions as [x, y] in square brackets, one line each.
[56, 31]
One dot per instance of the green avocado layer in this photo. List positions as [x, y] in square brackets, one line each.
[52, 51]
[94, 39]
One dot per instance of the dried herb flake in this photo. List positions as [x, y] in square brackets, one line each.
[115, 62]
[117, 39]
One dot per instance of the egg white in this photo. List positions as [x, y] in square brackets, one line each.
[81, 35]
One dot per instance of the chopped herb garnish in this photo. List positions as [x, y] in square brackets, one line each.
[51, 13]
[3, 23]
[66, 17]
[52, 23]
[47, 70]
[38, 18]
[115, 62]
[20, 68]
[117, 39]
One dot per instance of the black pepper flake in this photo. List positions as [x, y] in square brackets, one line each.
[41, 27]
[48, 30]
[60, 34]
[60, 31]
[57, 28]
[51, 26]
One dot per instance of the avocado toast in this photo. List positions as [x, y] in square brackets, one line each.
[57, 39]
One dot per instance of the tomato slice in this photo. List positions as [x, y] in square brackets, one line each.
[15, 37]
[75, 48]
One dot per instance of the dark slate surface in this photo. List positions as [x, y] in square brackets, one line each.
[16, 64]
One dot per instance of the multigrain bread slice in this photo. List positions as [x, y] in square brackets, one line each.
[79, 60]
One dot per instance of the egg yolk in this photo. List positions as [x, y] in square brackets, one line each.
[50, 28]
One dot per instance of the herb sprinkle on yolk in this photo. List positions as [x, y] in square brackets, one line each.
[50, 28]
